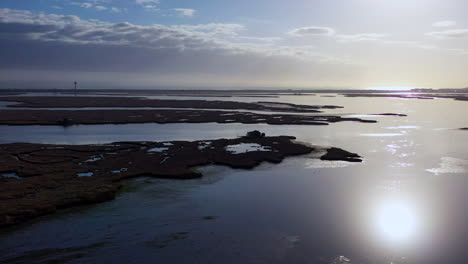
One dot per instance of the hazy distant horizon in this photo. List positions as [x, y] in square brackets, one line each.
[224, 88]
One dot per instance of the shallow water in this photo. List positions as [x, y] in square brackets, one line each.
[406, 203]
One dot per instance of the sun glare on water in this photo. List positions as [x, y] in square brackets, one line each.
[396, 221]
[392, 88]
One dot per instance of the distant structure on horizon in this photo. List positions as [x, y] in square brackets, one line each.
[441, 90]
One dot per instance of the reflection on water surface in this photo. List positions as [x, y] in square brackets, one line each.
[392, 208]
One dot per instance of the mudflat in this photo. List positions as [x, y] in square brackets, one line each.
[102, 101]
[38, 179]
[88, 117]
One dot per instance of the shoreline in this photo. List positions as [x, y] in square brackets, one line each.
[456, 97]
[40, 179]
[93, 117]
[103, 101]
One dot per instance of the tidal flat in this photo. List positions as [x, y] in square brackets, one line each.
[301, 210]
[38, 179]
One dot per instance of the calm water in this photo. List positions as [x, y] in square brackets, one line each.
[407, 203]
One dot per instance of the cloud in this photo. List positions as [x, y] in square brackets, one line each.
[449, 34]
[144, 2]
[117, 10]
[100, 8]
[148, 4]
[151, 7]
[424, 46]
[185, 11]
[445, 23]
[312, 31]
[330, 32]
[382, 38]
[47, 28]
[83, 5]
[61, 45]
[98, 5]
[360, 37]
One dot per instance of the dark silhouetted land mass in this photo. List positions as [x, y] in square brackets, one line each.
[80, 102]
[390, 114]
[38, 179]
[340, 154]
[91, 117]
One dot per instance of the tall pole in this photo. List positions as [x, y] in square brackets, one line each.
[76, 83]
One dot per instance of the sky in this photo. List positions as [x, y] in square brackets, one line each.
[233, 44]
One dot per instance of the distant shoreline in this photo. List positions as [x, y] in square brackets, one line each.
[260, 91]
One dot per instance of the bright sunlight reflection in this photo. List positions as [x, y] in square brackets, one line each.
[392, 88]
[396, 221]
